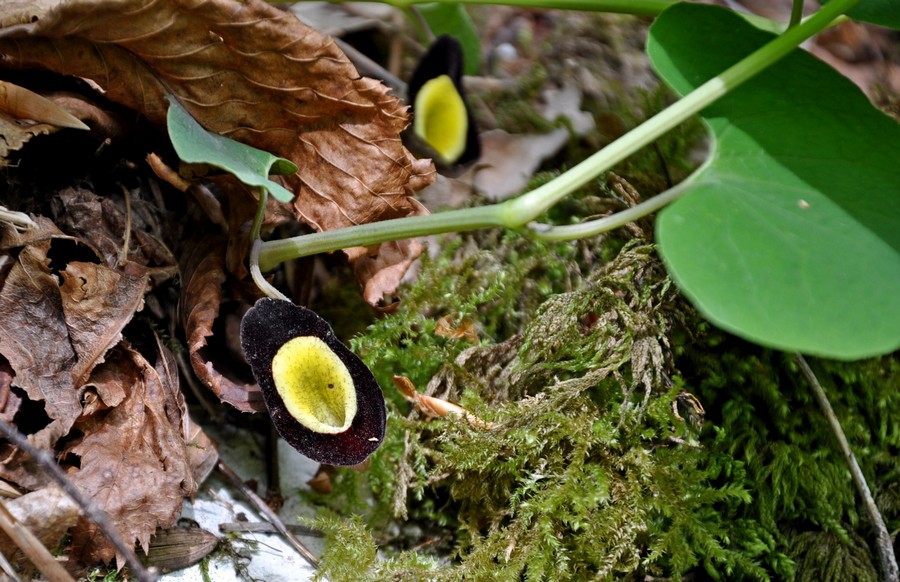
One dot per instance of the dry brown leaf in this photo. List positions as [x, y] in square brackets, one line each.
[97, 303]
[15, 136]
[435, 407]
[56, 325]
[10, 402]
[247, 70]
[21, 103]
[447, 326]
[101, 223]
[134, 461]
[380, 272]
[178, 547]
[203, 272]
[35, 340]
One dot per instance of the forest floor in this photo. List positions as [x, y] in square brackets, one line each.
[611, 431]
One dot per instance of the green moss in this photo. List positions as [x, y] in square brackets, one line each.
[599, 462]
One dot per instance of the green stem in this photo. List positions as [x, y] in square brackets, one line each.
[538, 201]
[277, 251]
[518, 212]
[256, 245]
[796, 13]
[612, 222]
[635, 7]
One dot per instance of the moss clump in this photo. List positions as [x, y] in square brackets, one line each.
[599, 462]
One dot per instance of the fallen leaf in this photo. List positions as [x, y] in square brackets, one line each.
[447, 326]
[246, 70]
[203, 272]
[435, 407]
[178, 547]
[97, 302]
[134, 462]
[35, 340]
[380, 272]
[15, 136]
[10, 402]
[21, 103]
[101, 222]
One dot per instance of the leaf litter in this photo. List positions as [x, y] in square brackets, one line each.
[81, 371]
[88, 334]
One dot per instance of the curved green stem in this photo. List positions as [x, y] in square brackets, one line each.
[520, 211]
[607, 223]
[538, 201]
[256, 243]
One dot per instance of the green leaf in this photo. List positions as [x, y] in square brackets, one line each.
[195, 145]
[882, 12]
[453, 19]
[790, 236]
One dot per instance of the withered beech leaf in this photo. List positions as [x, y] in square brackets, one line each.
[134, 464]
[97, 302]
[101, 222]
[380, 273]
[203, 273]
[9, 400]
[247, 70]
[35, 340]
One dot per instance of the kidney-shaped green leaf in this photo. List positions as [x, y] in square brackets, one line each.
[252, 166]
[790, 236]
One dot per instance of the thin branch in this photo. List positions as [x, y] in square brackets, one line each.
[32, 547]
[267, 512]
[89, 508]
[884, 544]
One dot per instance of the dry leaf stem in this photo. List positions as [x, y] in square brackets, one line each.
[884, 544]
[267, 512]
[90, 509]
[32, 547]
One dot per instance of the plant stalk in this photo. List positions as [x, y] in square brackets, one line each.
[885, 546]
[635, 7]
[518, 212]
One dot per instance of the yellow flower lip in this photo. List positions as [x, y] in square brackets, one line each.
[442, 119]
[314, 385]
[322, 398]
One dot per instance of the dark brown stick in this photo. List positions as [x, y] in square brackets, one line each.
[89, 508]
[267, 512]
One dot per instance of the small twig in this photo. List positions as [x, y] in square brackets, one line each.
[370, 68]
[8, 570]
[89, 508]
[123, 254]
[884, 545]
[32, 547]
[19, 220]
[267, 512]
[263, 527]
